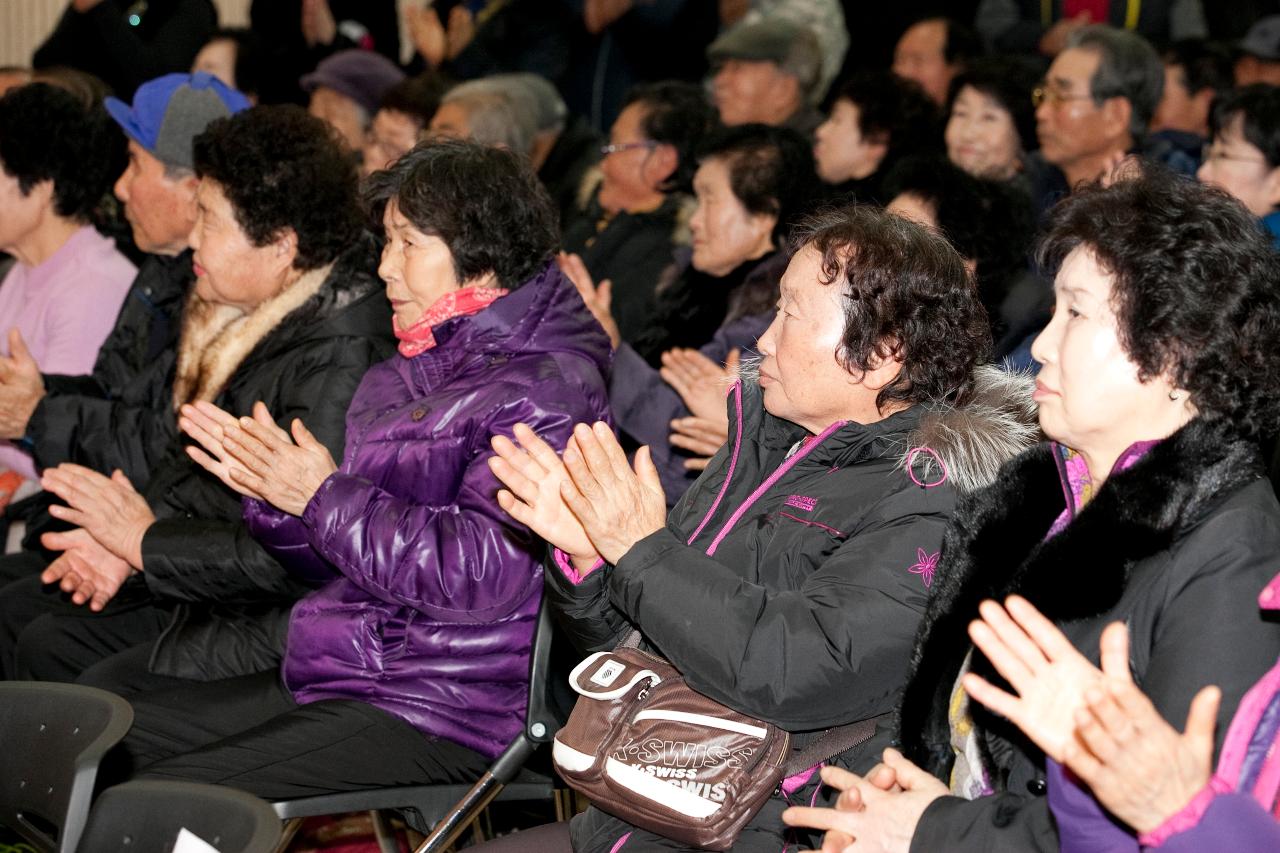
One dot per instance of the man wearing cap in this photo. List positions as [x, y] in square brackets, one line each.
[767, 72]
[1259, 60]
[117, 416]
[346, 90]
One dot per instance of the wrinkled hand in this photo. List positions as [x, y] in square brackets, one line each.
[698, 436]
[616, 505]
[701, 383]
[427, 34]
[21, 387]
[85, 568]
[318, 26]
[208, 425]
[880, 815]
[598, 297]
[1046, 672]
[1054, 40]
[1136, 764]
[462, 29]
[108, 508]
[533, 474]
[270, 464]
[598, 14]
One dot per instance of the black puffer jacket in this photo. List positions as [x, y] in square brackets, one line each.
[121, 415]
[1177, 546]
[198, 551]
[789, 585]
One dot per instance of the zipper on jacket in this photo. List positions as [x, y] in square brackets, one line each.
[733, 462]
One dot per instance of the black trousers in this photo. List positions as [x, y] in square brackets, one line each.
[249, 733]
[44, 636]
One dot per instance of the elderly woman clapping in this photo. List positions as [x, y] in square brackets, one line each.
[1149, 506]
[788, 580]
[411, 663]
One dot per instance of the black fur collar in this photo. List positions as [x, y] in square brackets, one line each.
[995, 546]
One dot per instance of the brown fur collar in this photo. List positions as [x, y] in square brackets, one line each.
[216, 338]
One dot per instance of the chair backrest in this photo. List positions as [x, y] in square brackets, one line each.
[146, 816]
[52, 737]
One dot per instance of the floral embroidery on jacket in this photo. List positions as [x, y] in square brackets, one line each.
[925, 565]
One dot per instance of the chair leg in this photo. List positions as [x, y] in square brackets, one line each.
[291, 827]
[383, 832]
[449, 827]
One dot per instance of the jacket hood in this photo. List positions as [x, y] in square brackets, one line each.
[970, 441]
[974, 439]
[543, 315]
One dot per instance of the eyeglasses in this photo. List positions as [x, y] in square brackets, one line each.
[618, 147]
[1208, 154]
[1045, 94]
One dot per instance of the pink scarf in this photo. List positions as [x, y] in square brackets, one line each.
[420, 337]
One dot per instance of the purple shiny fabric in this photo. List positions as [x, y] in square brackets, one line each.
[431, 610]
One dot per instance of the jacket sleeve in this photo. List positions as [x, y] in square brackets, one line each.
[100, 433]
[952, 823]
[454, 561]
[1232, 822]
[829, 652]
[193, 556]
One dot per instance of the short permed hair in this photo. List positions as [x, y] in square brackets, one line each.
[1194, 288]
[770, 170]
[896, 110]
[282, 168]
[48, 134]
[485, 204]
[676, 114]
[1258, 106]
[989, 222]
[907, 294]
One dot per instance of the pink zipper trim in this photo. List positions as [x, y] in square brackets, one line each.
[733, 462]
[617, 845]
[768, 483]
[831, 530]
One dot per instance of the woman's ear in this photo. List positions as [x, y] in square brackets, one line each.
[662, 163]
[285, 247]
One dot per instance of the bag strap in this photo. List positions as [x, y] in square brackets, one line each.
[832, 742]
[630, 641]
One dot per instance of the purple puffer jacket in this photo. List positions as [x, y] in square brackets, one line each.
[431, 614]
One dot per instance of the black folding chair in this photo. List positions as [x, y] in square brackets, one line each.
[444, 811]
[146, 817]
[52, 738]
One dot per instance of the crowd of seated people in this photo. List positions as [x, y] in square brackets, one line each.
[931, 393]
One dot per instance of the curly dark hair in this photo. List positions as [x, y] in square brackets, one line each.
[1195, 288]
[485, 203]
[908, 294]
[1010, 82]
[1258, 106]
[989, 222]
[48, 134]
[771, 170]
[281, 168]
[676, 114]
[896, 110]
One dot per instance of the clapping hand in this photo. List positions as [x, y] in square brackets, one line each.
[21, 387]
[85, 568]
[701, 383]
[108, 508]
[701, 437]
[598, 297]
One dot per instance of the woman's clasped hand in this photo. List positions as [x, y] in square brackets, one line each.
[590, 504]
[255, 457]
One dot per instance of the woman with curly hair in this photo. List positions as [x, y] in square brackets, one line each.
[788, 581]
[68, 281]
[1148, 506]
[411, 663]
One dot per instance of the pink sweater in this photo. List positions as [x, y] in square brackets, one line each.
[65, 308]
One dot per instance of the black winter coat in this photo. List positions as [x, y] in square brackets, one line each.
[198, 551]
[121, 415]
[789, 585]
[1177, 546]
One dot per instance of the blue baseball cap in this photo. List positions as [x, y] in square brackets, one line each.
[169, 112]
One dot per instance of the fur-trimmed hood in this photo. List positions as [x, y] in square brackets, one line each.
[996, 546]
[217, 339]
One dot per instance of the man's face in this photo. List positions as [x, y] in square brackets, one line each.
[1180, 108]
[160, 209]
[451, 121]
[749, 91]
[391, 135]
[921, 56]
[1069, 124]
